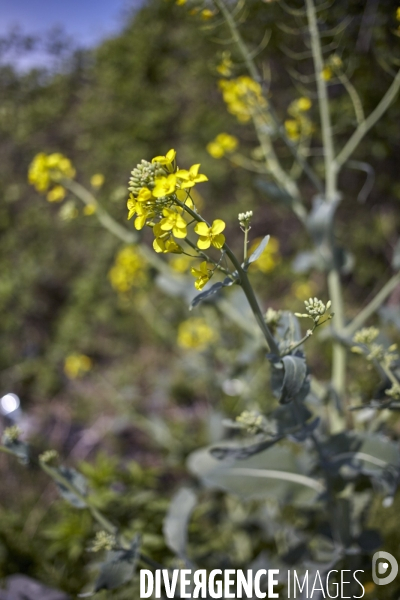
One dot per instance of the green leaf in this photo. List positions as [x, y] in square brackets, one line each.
[78, 481]
[259, 250]
[177, 520]
[119, 567]
[288, 378]
[244, 451]
[274, 473]
[19, 449]
[211, 291]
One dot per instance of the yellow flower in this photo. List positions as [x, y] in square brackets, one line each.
[326, 73]
[215, 150]
[398, 14]
[223, 143]
[180, 2]
[163, 243]
[180, 263]
[304, 289]
[89, 209]
[195, 334]
[167, 160]
[225, 66]
[203, 274]
[57, 194]
[76, 365]
[210, 236]
[97, 180]
[269, 259]
[191, 177]
[174, 222]
[128, 270]
[165, 186]
[292, 127]
[144, 195]
[206, 14]
[304, 104]
[47, 168]
[242, 96]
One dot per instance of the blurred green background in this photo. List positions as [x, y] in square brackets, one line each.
[146, 402]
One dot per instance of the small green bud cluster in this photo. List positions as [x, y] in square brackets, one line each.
[103, 541]
[144, 175]
[367, 335]
[49, 457]
[245, 218]
[272, 317]
[315, 310]
[251, 421]
[374, 352]
[11, 434]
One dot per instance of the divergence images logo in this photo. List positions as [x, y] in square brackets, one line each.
[384, 563]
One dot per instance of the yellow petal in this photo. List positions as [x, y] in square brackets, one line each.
[217, 226]
[179, 232]
[202, 229]
[218, 241]
[182, 174]
[194, 169]
[203, 243]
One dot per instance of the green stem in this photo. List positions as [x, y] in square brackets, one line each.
[254, 73]
[245, 284]
[369, 122]
[373, 306]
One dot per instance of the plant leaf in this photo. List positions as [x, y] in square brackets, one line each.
[259, 250]
[295, 373]
[211, 291]
[244, 451]
[78, 481]
[119, 567]
[177, 520]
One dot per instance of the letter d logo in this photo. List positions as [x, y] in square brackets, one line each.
[382, 567]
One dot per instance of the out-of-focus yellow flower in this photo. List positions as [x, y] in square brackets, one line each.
[128, 270]
[202, 274]
[56, 194]
[97, 180]
[292, 127]
[191, 177]
[225, 66]
[326, 73]
[49, 168]
[210, 236]
[243, 96]
[207, 14]
[303, 104]
[305, 289]
[398, 14]
[181, 264]
[196, 334]
[89, 209]
[77, 365]
[222, 144]
[165, 186]
[269, 259]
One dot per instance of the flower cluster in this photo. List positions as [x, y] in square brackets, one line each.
[76, 365]
[128, 270]
[251, 421]
[315, 309]
[203, 275]
[11, 434]
[245, 218]
[224, 68]
[160, 192]
[195, 334]
[48, 170]
[374, 352]
[103, 541]
[222, 144]
[243, 97]
[299, 125]
[49, 457]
